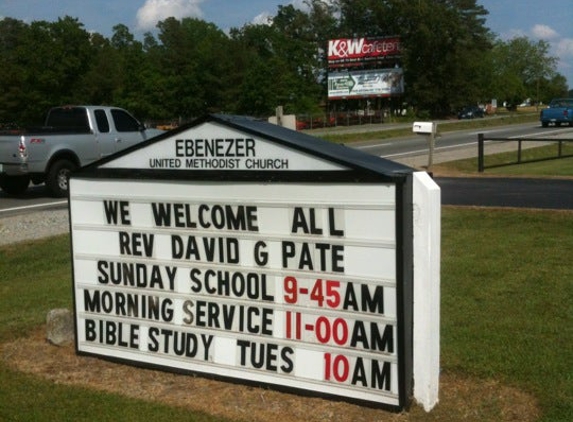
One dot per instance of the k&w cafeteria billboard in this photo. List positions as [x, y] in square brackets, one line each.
[355, 51]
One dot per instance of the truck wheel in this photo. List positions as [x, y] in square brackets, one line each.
[544, 124]
[57, 179]
[14, 185]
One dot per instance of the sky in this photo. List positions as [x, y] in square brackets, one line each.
[549, 20]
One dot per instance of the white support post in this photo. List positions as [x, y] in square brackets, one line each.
[427, 228]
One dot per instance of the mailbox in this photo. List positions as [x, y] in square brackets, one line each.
[424, 128]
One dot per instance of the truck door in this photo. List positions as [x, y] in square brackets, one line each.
[129, 130]
[105, 138]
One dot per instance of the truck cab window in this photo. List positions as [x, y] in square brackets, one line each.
[124, 122]
[101, 121]
[71, 118]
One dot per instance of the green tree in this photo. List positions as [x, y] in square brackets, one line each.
[12, 88]
[130, 72]
[553, 88]
[444, 44]
[191, 55]
[51, 59]
[71, 54]
[521, 68]
[286, 60]
[190, 67]
[101, 81]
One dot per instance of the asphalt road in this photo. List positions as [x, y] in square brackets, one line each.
[554, 194]
[395, 149]
[507, 192]
[494, 192]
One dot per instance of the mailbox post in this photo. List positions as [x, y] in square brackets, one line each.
[429, 130]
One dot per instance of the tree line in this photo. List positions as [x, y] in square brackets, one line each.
[189, 67]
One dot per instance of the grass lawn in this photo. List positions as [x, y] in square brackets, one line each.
[507, 320]
[507, 323]
[444, 126]
[507, 297]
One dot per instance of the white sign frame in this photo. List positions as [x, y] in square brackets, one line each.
[334, 220]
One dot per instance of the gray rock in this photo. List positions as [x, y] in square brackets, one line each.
[60, 327]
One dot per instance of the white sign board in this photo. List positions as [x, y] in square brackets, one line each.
[284, 284]
[244, 254]
[227, 150]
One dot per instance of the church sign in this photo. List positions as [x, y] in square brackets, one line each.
[242, 250]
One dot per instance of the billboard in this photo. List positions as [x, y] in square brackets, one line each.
[345, 52]
[365, 83]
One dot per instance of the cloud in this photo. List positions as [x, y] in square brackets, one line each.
[544, 32]
[264, 18]
[564, 47]
[154, 11]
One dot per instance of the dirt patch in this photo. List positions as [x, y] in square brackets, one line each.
[461, 399]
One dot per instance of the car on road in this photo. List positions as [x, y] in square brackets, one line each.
[560, 111]
[471, 112]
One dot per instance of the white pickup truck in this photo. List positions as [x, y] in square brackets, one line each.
[72, 137]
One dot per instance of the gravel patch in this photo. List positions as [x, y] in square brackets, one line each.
[32, 226]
